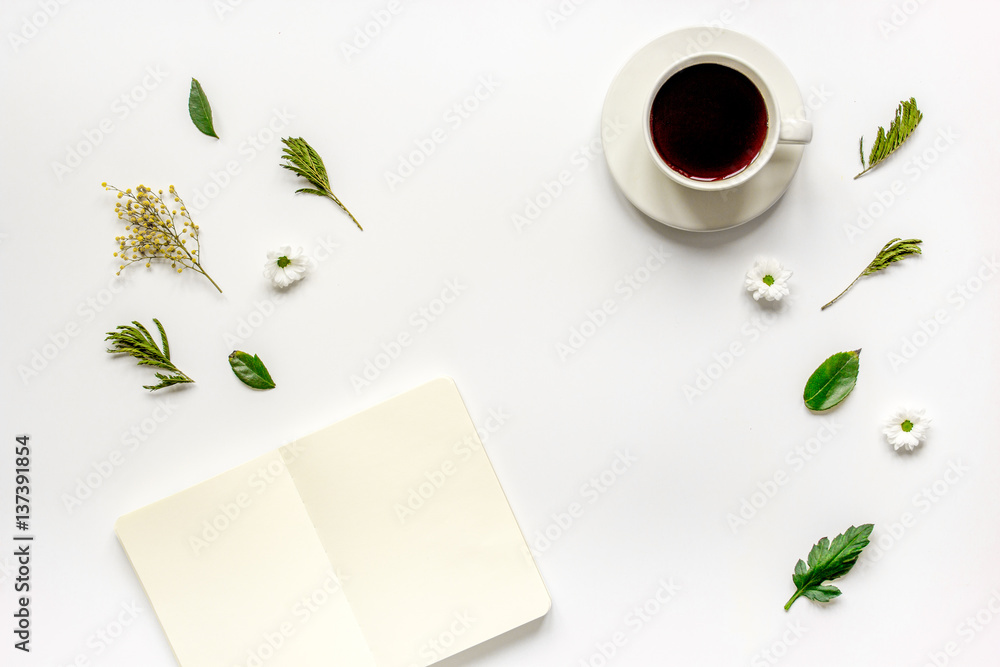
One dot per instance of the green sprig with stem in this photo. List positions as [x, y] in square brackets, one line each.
[156, 231]
[136, 342]
[302, 159]
[902, 126]
[893, 251]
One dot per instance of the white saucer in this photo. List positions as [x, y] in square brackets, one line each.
[632, 167]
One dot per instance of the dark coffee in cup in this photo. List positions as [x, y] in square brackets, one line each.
[708, 122]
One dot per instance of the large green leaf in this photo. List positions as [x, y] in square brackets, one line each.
[829, 561]
[832, 381]
[201, 112]
[250, 370]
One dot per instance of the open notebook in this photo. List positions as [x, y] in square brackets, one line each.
[384, 540]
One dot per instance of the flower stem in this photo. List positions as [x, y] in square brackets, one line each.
[202, 272]
[341, 205]
[832, 301]
[795, 597]
[867, 170]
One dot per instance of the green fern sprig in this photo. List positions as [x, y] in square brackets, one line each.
[885, 144]
[893, 251]
[306, 162]
[136, 342]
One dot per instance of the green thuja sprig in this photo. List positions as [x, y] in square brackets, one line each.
[306, 162]
[136, 342]
[885, 144]
[893, 251]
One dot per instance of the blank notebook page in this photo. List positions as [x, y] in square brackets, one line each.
[383, 540]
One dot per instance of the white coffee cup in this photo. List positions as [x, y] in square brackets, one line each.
[780, 128]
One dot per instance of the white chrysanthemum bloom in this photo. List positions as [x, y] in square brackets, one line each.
[906, 428]
[768, 279]
[285, 266]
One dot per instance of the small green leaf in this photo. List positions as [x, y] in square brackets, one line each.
[821, 593]
[832, 381]
[250, 370]
[201, 112]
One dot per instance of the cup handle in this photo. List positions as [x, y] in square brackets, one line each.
[795, 131]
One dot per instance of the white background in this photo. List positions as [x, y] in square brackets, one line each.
[523, 292]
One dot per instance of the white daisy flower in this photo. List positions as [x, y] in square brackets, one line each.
[906, 428]
[767, 279]
[285, 266]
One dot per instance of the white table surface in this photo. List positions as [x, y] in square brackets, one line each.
[521, 292]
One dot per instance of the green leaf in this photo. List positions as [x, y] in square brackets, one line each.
[827, 562]
[250, 370]
[832, 381]
[886, 143]
[200, 110]
[821, 593]
[163, 337]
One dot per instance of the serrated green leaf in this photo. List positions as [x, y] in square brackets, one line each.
[829, 561]
[250, 370]
[821, 593]
[200, 110]
[832, 381]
